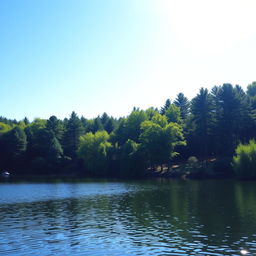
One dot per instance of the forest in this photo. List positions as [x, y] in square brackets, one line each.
[200, 137]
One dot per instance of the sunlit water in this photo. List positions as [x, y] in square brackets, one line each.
[128, 218]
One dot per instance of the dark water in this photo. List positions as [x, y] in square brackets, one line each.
[128, 218]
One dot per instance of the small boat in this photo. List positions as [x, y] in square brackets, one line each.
[5, 174]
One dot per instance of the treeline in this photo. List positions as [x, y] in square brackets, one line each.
[210, 126]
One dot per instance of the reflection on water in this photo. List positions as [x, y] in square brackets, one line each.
[128, 218]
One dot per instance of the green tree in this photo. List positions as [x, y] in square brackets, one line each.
[173, 114]
[110, 125]
[232, 117]
[104, 118]
[158, 142]
[251, 89]
[93, 149]
[183, 103]
[160, 120]
[129, 128]
[244, 161]
[26, 121]
[56, 127]
[13, 146]
[55, 150]
[74, 130]
[97, 125]
[16, 142]
[4, 128]
[202, 111]
[165, 107]
[132, 162]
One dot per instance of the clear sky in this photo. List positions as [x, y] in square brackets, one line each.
[95, 56]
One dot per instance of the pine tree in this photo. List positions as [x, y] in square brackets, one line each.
[165, 107]
[183, 103]
[74, 130]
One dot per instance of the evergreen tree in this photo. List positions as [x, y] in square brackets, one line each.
[15, 142]
[56, 126]
[183, 103]
[233, 117]
[110, 125]
[165, 107]
[173, 114]
[26, 121]
[251, 89]
[13, 146]
[74, 130]
[97, 125]
[55, 150]
[104, 118]
[202, 111]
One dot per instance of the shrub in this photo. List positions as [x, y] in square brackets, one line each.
[244, 162]
[192, 164]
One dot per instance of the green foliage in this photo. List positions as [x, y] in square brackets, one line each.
[192, 164]
[203, 118]
[160, 120]
[232, 118]
[129, 128]
[15, 142]
[110, 125]
[173, 114]
[158, 142]
[55, 126]
[165, 107]
[244, 161]
[97, 125]
[93, 149]
[55, 150]
[224, 116]
[74, 129]
[150, 112]
[104, 118]
[39, 123]
[183, 103]
[4, 128]
[131, 160]
[251, 89]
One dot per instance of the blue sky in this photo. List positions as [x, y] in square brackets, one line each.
[99, 56]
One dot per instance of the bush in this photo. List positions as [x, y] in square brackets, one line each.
[244, 162]
[192, 164]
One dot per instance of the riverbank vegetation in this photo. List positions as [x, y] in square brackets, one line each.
[196, 138]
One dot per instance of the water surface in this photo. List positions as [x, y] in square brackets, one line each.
[128, 218]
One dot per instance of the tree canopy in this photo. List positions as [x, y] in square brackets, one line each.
[210, 125]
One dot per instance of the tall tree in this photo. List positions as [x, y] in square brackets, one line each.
[104, 118]
[183, 103]
[251, 89]
[56, 126]
[74, 130]
[233, 117]
[93, 149]
[165, 107]
[173, 114]
[110, 125]
[13, 145]
[129, 128]
[202, 111]
[97, 125]
[159, 139]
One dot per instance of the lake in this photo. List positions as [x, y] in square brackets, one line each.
[158, 217]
